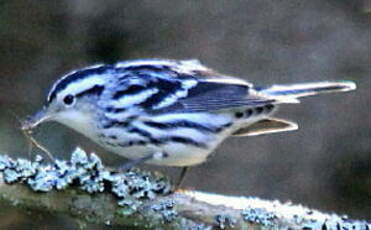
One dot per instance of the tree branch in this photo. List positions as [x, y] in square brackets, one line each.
[87, 191]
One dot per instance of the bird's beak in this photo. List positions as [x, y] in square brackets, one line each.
[34, 120]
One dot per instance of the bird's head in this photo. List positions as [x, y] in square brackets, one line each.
[72, 99]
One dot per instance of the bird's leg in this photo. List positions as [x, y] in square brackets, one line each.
[135, 162]
[132, 163]
[181, 177]
[157, 155]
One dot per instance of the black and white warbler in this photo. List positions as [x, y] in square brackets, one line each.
[168, 112]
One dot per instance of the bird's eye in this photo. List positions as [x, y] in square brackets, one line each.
[69, 99]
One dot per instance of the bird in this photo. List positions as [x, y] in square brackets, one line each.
[168, 112]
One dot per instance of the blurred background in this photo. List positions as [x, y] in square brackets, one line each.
[325, 165]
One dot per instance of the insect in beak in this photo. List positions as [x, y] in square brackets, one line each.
[35, 120]
[31, 123]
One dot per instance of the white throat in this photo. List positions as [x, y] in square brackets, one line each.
[79, 121]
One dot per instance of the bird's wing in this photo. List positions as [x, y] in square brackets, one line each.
[188, 86]
[158, 86]
[210, 95]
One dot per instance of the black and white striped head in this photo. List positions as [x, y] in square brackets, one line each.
[73, 98]
[139, 85]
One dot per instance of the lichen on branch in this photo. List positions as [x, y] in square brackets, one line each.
[88, 191]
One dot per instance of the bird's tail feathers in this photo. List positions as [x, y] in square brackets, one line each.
[290, 93]
[266, 126]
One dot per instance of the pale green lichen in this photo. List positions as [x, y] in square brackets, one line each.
[166, 209]
[199, 227]
[336, 224]
[135, 190]
[224, 221]
[85, 171]
[259, 216]
[128, 206]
